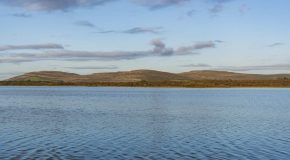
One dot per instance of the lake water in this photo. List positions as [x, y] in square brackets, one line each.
[144, 123]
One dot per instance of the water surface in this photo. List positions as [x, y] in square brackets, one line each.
[144, 123]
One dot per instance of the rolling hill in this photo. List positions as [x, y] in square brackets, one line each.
[224, 75]
[142, 75]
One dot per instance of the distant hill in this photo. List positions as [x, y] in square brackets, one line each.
[224, 75]
[136, 75]
[142, 75]
[46, 76]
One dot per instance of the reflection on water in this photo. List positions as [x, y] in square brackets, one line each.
[143, 123]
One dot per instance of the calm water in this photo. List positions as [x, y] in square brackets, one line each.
[142, 123]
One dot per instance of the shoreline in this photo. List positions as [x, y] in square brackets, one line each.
[158, 84]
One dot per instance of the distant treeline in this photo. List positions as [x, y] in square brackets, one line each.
[185, 84]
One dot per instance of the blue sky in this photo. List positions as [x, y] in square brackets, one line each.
[87, 36]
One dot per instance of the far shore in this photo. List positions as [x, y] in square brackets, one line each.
[163, 84]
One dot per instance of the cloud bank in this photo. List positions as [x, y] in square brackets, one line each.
[85, 23]
[276, 44]
[218, 6]
[94, 67]
[200, 65]
[241, 68]
[257, 68]
[52, 5]
[68, 5]
[196, 46]
[156, 4]
[31, 47]
[159, 49]
[135, 30]
[21, 15]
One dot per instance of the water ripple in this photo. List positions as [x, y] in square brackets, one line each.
[123, 123]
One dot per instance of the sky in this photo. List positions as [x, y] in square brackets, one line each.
[90, 36]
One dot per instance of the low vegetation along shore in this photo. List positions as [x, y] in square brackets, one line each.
[189, 84]
[150, 78]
